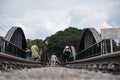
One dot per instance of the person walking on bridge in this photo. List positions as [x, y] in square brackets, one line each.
[35, 51]
[28, 53]
[66, 53]
[53, 59]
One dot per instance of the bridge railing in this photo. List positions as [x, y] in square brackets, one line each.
[93, 50]
[11, 49]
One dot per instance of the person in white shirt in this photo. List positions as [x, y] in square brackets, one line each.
[53, 59]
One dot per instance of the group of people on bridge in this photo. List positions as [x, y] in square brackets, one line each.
[53, 61]
[34, 54]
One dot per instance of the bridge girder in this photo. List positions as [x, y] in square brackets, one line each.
[89, 37]
[16, 36]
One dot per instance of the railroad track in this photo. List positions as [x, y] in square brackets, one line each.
[9, 62]
[106, 62]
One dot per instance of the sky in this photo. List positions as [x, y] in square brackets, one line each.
[42, 18]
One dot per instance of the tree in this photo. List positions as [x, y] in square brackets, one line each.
[108, 45]
[39, 42]
[70, 36]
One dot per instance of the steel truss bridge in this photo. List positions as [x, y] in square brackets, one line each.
[92, 54]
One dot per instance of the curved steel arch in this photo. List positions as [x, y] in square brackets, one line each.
[16, 36]
[89, 37]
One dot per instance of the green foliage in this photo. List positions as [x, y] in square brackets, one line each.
[57, 42]
[108, 45]
[39, 42]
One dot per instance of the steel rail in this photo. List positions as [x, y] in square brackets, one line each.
[9, 62]
[10, 58]
[109, 56]
[104, 62]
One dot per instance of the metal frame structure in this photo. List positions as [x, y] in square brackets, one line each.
[16, 36]
[89, 37]
[14, 42]
[90, 44]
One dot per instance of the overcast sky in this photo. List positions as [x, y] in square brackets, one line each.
[42, 18]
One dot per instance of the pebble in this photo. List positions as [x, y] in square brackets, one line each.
[56, 73]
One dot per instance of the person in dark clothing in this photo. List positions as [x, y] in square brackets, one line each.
[28, 53]
[66, 53]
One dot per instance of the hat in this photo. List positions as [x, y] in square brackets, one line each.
[66, 46]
